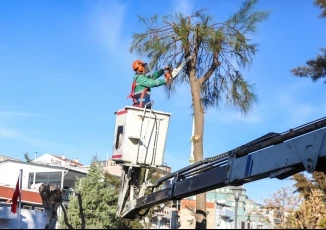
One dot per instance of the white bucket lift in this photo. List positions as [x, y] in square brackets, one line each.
[140, 136]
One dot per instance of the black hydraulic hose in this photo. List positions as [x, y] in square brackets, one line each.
[204, 168]
[259, 143]
[215, 159]
[292, 133]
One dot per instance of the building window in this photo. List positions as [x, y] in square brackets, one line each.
[51, 178]
[119, 137]
[27, 207]
[30, 179]
[38, 209]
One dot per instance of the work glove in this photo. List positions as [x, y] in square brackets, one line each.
[167, 74]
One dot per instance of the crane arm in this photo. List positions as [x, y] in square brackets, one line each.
[273, 155]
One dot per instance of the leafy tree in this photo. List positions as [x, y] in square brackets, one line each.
[98, 194]
[322, 6]
[218, 49]
[127, 224]
[312, 211]
[322, 224]
[284, 203]
[304, 184]
[153, 175]
[315, 68]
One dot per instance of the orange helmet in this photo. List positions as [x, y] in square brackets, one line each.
[138, 65]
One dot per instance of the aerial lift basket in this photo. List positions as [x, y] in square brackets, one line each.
[140, 136]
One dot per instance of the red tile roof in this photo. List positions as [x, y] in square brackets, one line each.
[27, 196]
[74, 162]
[192, 204]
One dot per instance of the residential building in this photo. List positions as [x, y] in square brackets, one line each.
[248, 210]
[57, 160]
[3, 158]
[214, 211]
[109, 166]
[63, 175]
[273, 213]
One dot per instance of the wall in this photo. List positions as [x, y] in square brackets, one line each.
[30, 219]
[9, 172]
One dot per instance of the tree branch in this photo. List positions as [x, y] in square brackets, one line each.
[211, 69]
[81, 211]
[65, 217]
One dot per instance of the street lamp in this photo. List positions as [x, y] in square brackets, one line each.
[237, 192]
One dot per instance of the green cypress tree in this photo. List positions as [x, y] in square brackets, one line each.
[99, 196]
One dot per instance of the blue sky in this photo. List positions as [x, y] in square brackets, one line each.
[65, 69]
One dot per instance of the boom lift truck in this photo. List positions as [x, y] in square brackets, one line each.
[139, 143]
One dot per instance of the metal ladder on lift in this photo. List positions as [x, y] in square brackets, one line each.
[131, 173]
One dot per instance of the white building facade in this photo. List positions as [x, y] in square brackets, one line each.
[61, 175]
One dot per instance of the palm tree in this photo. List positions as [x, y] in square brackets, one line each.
[218, 50]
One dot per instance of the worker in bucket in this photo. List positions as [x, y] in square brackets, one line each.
[142, 83]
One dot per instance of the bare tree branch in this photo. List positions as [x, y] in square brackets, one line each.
[65, 217]
[211, 70]
[81, 211]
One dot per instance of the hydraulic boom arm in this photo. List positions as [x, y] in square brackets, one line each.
[275, 155]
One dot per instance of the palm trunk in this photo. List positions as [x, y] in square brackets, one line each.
[198, 150]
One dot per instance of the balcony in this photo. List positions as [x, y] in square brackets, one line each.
[225, 213]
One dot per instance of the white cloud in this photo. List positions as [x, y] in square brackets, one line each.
[183, 6]
[295, 104]
[8, 133]
[285, 106]
[106, 22]
[35, 142]
[231, 117]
